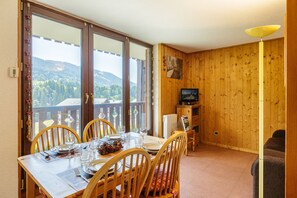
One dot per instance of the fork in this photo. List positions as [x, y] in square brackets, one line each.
[78, 174]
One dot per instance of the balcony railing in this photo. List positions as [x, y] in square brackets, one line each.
[71, 116]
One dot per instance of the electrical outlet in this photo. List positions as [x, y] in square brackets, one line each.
[216, 133]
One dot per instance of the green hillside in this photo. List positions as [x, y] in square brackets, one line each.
[55, 81]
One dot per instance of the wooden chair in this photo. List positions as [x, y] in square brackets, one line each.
[52, 136]
[191, 139]
[163, 177]
[99, 128]
[191, 136]
[126, 178]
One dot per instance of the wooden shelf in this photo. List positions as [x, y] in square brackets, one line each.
[192, 111]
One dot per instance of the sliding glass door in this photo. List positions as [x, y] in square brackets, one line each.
[107, 73]
[140, 86]
[56, 75]
[74, 72]
[53, 82]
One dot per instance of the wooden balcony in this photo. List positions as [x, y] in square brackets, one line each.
[71, 115]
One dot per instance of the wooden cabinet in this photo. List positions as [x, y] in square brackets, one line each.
[192, 111]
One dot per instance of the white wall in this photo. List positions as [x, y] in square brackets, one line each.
[9, 100]
[155, 90]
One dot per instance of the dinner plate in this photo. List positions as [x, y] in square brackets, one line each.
[152, 146]
[95, 165]
[114, 136]
[62, 149]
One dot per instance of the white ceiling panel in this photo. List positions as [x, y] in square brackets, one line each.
[188, 25]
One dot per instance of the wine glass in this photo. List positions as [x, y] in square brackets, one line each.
[142, 133]
[69, 141]
[93, 146]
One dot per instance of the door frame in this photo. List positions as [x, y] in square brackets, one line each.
[26, 59]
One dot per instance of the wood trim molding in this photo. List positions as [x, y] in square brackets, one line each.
[159, 95]
[291, 100]
[235, 148]
[19, 96]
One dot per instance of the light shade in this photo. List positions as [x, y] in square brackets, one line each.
[262, 31]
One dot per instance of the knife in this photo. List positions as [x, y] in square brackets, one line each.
[45, 155]
[84, 178]
[48, 153]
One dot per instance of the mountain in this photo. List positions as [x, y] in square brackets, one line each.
[55, 70]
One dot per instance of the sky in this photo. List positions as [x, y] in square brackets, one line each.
[51, 50]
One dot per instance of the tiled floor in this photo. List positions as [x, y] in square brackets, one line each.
[212, 172]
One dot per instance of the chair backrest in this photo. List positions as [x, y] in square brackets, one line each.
[165, 167]
[98, 128]
[122, 176]
[52, 136]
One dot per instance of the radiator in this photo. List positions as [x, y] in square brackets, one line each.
[169, 124]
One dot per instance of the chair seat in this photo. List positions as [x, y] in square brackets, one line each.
[158, 185]
[173, 194]
[164, 175]
[109, 194]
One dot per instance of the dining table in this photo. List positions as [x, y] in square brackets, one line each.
[56, 177]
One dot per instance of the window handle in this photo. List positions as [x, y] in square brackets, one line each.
[87, 98]
[92, 96]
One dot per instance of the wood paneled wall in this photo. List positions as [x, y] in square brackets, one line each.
[227, 79]
[170, 86]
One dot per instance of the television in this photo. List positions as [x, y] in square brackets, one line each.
[189, 95]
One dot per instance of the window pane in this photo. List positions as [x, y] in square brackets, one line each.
[140, 100]
[108, 80]
[56, 74]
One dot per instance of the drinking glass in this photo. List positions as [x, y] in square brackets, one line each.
[121, 131]
[138, 142]
[126, 139]
[85, 158]
[69, 141]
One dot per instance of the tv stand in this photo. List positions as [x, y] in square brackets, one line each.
[192, 111]
[189, 103]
